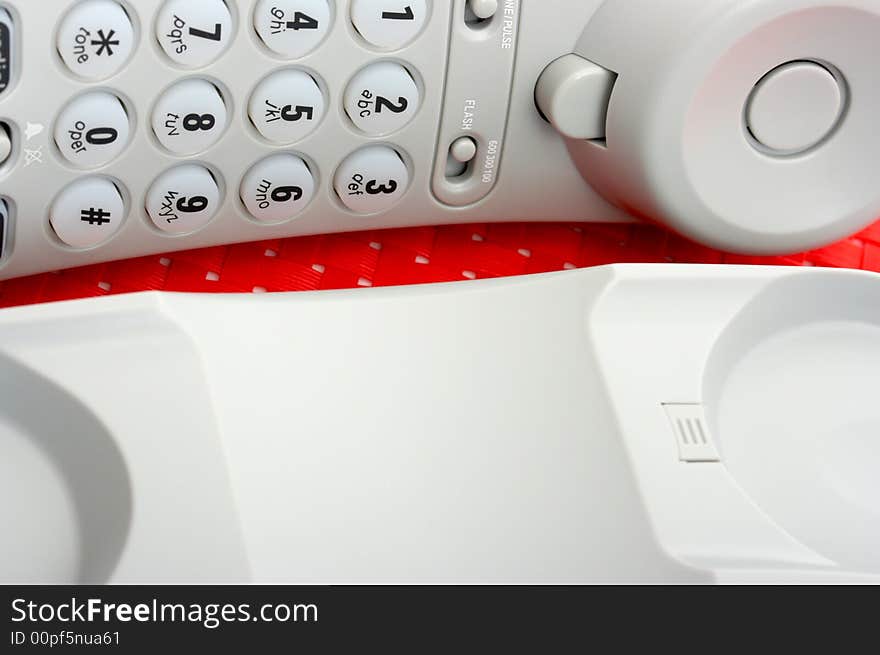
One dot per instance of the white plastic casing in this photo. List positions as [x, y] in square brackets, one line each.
[668, 124]
[507, 431]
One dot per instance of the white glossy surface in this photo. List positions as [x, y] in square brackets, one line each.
[292, 28]
[95, 39]
[183, 200]
[278, 188]
[192, 33]
[88, 212]
[93, 130]
[190, 117]
[287, 106]
[493, 431]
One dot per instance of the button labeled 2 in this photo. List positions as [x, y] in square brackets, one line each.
[389, 24]
[190, 117]
[278, 188]
[292, 28]
[372, 180]
[184, 199]
[92, 130]
[287, 106]
[382, 98]
[87, 213]
[194, 33]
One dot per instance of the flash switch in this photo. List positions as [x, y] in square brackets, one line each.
[463, 149]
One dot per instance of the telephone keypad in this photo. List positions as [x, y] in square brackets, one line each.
[93, 130]
[190, 117]
[278, 189]
[184, 199]
[194, 33]
[287, 106]
[96, 39]
[292, 28]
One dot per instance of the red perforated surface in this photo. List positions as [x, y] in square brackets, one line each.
[408, 256]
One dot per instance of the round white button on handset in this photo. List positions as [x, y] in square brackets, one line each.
[292, 28]
[287, 106]
[382, 98]
[389, 24]
[372, 180]
[190, 117]
[184, 199]
[278, 188]
[87, 213]
[92, 130]
[194, 33]
[95, 39]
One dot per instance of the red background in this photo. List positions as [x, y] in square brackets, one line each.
[407, 256]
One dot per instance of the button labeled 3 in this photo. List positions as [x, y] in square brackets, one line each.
[194, 33]
[190, 117]
[389, 24]
[92, 130]
[88, 212]
[287, 106]
[372, 180]
[95, 39]
[278, 189]
[184, 199]
[382, 98]
[292, 28]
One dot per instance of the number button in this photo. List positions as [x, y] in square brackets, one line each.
[190, 117]
[287, 106]
[93, 130]
[183, 200]
[292, 28]
[278, 189]
[194, 33]
[382, 98]
[95, 39]
[389, 24]
[372, 180]
[87, 213]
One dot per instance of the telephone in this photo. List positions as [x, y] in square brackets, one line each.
[133, 127]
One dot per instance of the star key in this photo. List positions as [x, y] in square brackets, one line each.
[105, 43]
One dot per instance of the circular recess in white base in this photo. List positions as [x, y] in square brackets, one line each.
[790, 392]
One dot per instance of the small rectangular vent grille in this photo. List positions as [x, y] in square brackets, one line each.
[691, 432]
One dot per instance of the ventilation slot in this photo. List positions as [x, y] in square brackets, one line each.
[691, 432]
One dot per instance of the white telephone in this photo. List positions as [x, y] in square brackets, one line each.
[131, 127]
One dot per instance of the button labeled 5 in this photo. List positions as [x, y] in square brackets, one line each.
[278, 189]
[190, 117]
[292, 28]
[287, 106]
[184, 199]
[92, 130]
[382, 98]
[372, 180]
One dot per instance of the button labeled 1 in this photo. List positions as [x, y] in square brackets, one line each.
[372, 180]
[190, 117]
[92, 130]
[194, 33]
[184, 199]
[95, 39]
[287, 106]
[278, 188]
[389, 24]
[292, 28]
[382, 98]
[87, 213]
